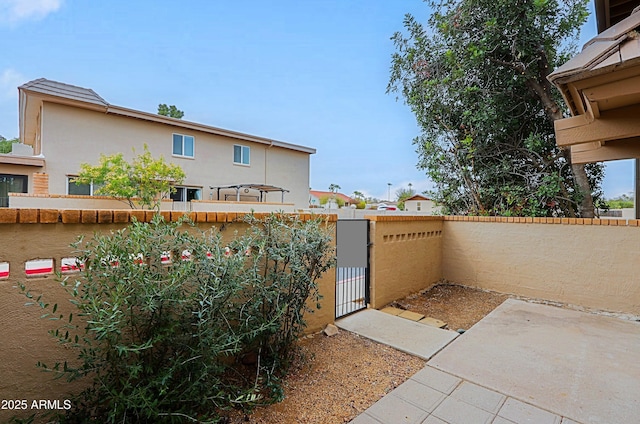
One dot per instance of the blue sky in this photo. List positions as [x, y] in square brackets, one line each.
[310, 72]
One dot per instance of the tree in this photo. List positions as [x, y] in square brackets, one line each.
[334, 188]
[170, 111]
[476, 82]
[146, 179]
[5, 145]
[403, 194]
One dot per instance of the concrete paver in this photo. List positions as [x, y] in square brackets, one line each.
[405, 335]
[433, 322]
[391, 310]
[419, 395]
[454, 411]
[413, 316]
[522, 413]
[480, 397]
[392, 409]
[433, 420]
[436, 379]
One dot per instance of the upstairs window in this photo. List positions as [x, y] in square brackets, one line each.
[183, 145]
[241, 154]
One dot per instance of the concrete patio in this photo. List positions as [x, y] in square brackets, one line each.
[523, 363]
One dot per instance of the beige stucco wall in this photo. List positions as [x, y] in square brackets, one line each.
[24, 334]
[72, 136]
[594, 266]
[406, 256]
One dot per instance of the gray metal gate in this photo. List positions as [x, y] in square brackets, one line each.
[352, 273]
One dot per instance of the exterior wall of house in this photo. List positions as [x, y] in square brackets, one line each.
[591, 263]
[48, 233]
[71, 136]
[406, 256]
[422, 206]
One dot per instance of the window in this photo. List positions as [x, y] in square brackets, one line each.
[241, 154]
[186, 194]
[11, 184]
[183, 145]
[74, 188]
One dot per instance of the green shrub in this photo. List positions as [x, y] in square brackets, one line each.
[160, 342]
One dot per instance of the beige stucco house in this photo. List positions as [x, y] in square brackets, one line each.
[62, 126]
[420, 203]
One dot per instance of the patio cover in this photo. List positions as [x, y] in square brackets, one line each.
[601, 86]
[262, 188]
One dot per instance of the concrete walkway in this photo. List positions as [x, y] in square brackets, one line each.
[523, 363]
[408, 336]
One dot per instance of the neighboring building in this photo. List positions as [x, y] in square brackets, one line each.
[63, 126]
[316, 198]
[420, 203]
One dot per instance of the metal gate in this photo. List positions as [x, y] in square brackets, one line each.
[352, 273]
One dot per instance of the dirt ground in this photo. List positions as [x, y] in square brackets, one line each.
[460, 307]
[345, 374]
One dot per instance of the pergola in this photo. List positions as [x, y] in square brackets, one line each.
[262, 188]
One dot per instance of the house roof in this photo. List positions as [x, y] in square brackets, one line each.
[34, 92]
[68, 91]
[417, 197]
[601, 86]
[616, 48]
[319, 194]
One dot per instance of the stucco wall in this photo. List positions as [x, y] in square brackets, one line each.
[406, 256]
[42, 235]
[72, 136]
[571, 261]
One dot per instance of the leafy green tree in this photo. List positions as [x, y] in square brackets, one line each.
[402, 195]
[621, 202]
[170, 111]
[145, 179]
[5, 145]
[476, 81]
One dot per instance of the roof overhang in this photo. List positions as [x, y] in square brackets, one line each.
[601, 86]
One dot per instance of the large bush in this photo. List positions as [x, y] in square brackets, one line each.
[164, 315]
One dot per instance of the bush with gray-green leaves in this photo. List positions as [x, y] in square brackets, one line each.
[164, 312]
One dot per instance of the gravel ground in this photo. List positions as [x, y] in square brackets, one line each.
[345, 374]
[341, 377]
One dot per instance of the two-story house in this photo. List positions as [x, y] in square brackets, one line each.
[62, 126]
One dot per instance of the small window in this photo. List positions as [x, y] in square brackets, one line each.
[241, 154]
[183, 145]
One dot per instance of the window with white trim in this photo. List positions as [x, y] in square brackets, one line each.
[186, 194]
[241, 154]
[183, 145]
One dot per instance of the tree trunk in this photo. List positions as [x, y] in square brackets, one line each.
[542, 90]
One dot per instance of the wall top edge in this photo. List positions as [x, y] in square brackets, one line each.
[547, 220]
[124, 216]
